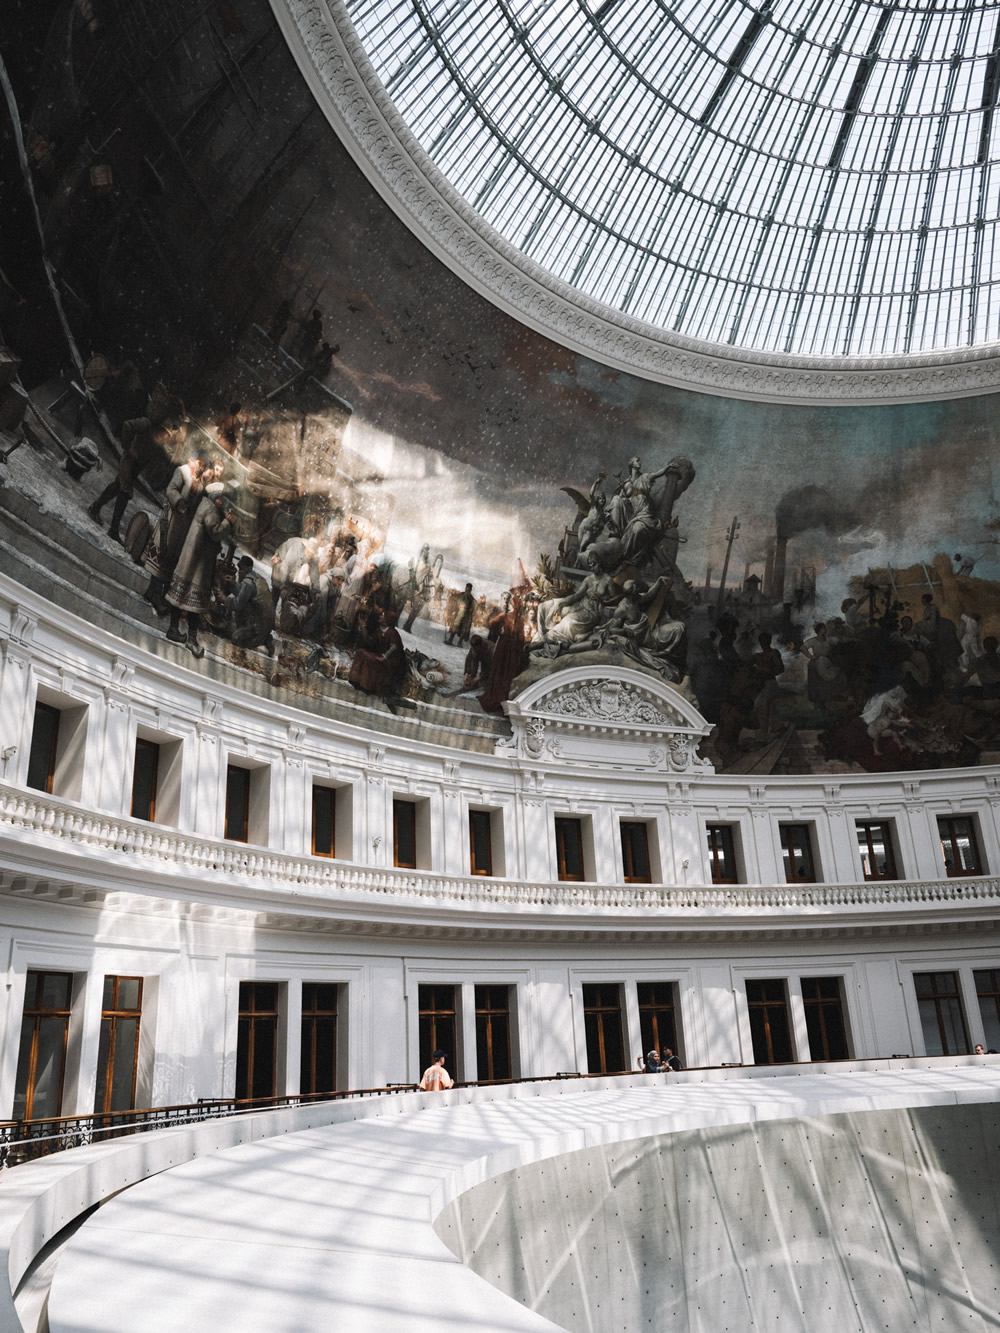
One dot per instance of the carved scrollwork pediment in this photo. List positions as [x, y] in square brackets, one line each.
[584, 716]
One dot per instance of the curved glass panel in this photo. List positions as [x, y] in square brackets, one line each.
[801, 176]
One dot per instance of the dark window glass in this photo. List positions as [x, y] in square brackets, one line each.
[118, 1053]
[42, 755]
[480, 842]
[796, 854]
[825, 1023]
[404, 834]
[875, 848]
[770, 1030]
[257, 1040]
[942, 1018]
[988, 991]
[237, 803]
[602, 1020]
[318, 1071]
[493, 1032]
[324, 802]
[569, 848]
[144, 773]
[959, 847]
[41, 1058]
[657, 1020]
[438, 1022]
[635, 852]
[722, 854]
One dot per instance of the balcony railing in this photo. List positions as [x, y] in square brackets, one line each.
[150, 849]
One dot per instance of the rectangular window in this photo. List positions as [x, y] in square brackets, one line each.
[959, 847]
[318, 1072]
[44, 744]
[257, 1041]
[988, 992]
[324, 821]
[569, 848]
[770, 1030]
[878, 860]
[602, 1021]
[796, 854]
[657, 1021]
[404, 834]
[438, 1023]
[237, 804]
[41, 1058]
[722, 854]
[480, 842]
[941, 1016]
[144, 774]
[635, 852]
[118, 1054]
[493, 1060]
[823, 1000]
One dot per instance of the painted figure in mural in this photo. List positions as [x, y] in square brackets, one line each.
[190, 589]
[460, 626]
[643, 628]
[249, 611]
[419, 586]
[143, 441]
[167, 537]
[595, 519]
[382, 668]
[509, 656]
[572, 623]
[477, 662]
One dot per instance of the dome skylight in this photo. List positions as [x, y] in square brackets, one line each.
[812, 177]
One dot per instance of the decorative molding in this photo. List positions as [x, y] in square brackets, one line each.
[22, 625]
[605, 700]
[334, 64]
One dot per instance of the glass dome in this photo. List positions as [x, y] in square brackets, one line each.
[812, 177]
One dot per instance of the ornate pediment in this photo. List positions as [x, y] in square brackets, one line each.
[584, 716]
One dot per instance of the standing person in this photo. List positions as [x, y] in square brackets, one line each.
[167, 538]
[652, 1063]
[464, 612]
[436, 1078]
[670, 1061]
[190, 588]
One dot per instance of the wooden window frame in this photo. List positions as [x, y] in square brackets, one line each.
[627, 829]
[144, 746]
[716, 833]
[36, 1011]
[247, 778]
[934, 998]
[309, 1046]
[252, 1016]
[55, 714]
[430, 1013]
[328, 795]
[865, 826]
[791, 870]
[764, 1006]
[397, 802]
[819, 1006]
[956, 870]
[111, 1015]
[563, 824]
[474, 867]
[656, 999]
[491, 1032]
[601, 1012]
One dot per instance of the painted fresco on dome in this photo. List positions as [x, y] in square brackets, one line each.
[322, 459]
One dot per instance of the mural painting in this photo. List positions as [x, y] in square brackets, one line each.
[341, 470]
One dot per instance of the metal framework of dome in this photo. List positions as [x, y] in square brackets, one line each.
[812, 177]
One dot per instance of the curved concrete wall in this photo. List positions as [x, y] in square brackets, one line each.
[862, 1221]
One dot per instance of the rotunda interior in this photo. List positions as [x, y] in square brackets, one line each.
[500, 558]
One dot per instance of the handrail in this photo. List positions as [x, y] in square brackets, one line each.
[135, 843]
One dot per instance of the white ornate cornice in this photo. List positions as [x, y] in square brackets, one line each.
[335, 66]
